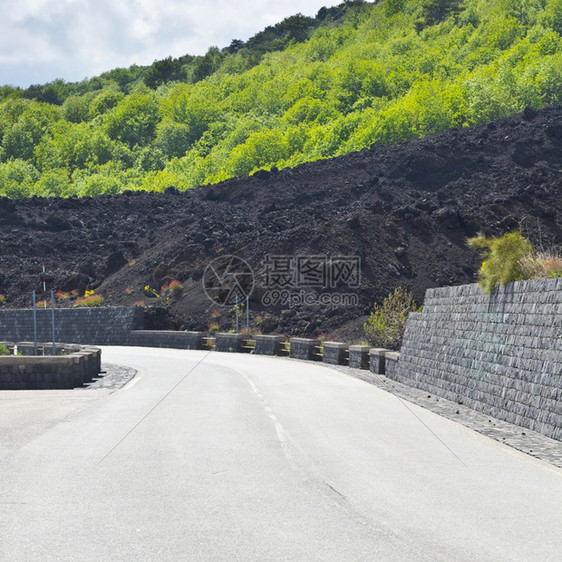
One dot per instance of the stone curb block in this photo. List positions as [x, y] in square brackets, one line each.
[304, 348]
[229, 343]
[359, 356]
[335, 353]
[377, 360]
[268, 345]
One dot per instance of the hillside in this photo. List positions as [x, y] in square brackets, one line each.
[404, 209]
[356, 75]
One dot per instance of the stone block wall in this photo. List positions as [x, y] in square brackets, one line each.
[77, 366]
[359, 356]
[226, 342]
[304, 348]
[166, 338]
[391, 362]
[500, 354]
[268, 345]
[335, 353]
[93, 326]
[377, 360]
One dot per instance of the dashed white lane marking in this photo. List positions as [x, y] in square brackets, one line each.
[279, 430]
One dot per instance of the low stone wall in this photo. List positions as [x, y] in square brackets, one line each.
[89, 326]
[499, 354]
[78, 366]
[166, 338]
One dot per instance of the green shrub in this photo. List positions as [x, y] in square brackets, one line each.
[386, 324]
[503, 258]
[4, 350]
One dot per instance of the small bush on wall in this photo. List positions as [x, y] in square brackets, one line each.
[386, 324]
[510, 258]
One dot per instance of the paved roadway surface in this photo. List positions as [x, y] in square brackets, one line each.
[234, 457]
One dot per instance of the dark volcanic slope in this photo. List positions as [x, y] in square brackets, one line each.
[405, 209]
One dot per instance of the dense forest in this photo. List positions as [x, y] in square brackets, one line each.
[302, 90]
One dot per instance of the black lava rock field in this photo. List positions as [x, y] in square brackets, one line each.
[316, 244]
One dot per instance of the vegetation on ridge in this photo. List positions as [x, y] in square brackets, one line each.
[307, 89]
[510, 258]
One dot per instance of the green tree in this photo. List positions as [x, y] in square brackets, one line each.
[436, 11]
[190, 106]
[134, 119]
[149, 158]
[260, 150]
[34, 121]
[74, 146]
[76, 109]
[173, 139]
[17, 178]
[393, 7]
[106, 100]
[206, 65]
[54, 183]
[553, 15]
[19, 140]
[163, 71]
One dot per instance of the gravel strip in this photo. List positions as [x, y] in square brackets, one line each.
[112, 377]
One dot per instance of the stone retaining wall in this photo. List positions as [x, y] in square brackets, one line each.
[90, 326]
[500, 354]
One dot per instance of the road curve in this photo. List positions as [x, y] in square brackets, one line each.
[211, 457]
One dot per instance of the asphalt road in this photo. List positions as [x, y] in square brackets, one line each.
[234, 457]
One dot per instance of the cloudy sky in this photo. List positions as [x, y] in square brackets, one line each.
[41, 40]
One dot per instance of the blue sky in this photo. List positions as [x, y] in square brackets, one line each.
[41, 40]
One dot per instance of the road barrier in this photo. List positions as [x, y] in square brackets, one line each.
[72, 367]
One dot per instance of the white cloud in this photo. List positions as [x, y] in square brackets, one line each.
[41, 40]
